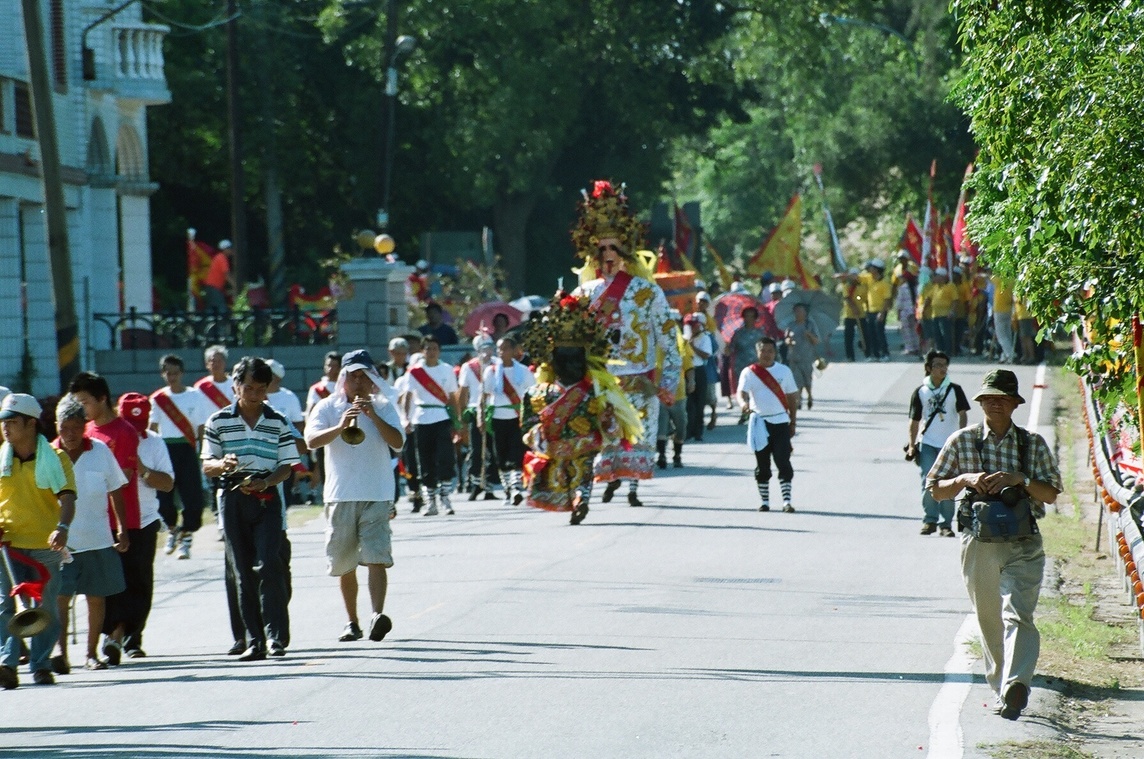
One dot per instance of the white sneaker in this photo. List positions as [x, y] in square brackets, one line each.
[185, 547]
[172, 539]
[447, 505]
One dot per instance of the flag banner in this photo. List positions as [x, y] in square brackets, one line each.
[911, 240]
[961, 242]
[928, 225]
[199, 256]
[779, 253]
[725, 277]
[835, 247]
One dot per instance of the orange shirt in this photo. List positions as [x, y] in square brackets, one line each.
[220, 269]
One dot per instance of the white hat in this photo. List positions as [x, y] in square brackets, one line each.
[941, 271]
[4, 393]
[702, 295]
[276, 367]
[20, 404]
[398, 343]
[224, 244]
[789, 285]
[775, 288]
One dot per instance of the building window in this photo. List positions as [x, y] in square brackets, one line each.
[25, 122]
[59, 46]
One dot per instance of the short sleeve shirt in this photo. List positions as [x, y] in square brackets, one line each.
[96, 474]
[287, 403]
[926, 401]
[356, 472]
[28, 513]
[123, 440]
[153, 454]
[263, 448]
[195, 406]
[516, 375]
[470, 378]
[427, 408]
[764, 402]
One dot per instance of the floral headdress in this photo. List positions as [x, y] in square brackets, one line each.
[566, 322]
[604, 213]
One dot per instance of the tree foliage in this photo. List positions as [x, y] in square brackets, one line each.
[1055, 91]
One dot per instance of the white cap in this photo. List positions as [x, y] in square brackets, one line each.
[775, 288]
[702, 295]
[276, 367]
[941, 271]
[788, 285]
[4, 393]
[224, 244]
[20, 404]
[398, 343]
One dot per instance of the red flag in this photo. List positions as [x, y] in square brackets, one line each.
[961, 242]
[911, 240]
[662, 262]
[684, 236]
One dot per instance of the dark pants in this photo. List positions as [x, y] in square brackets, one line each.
[849, 330]
[435, 446]
[409, 457]
[508, 444]
[253, 529]
[778, 448]
[237, 628]
[960, 328]
[478, 440]
[943, 334]
[875, 332]
[188, 483]
[132, 607]
[696, 403]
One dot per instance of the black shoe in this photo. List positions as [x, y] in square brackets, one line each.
[257, 652]
[517, 498]
[379, 627]
[928, 528]
[276, 649]
[474, 493]
[610, 491]
[351, 633]
[634, 500]
[418, 502]
[579, 513]
[9, 680]
[788, 508]
[764, 507]
[489, 496]
[238, 647]
[1016, 699]
[113, 651]
[60, 665]
[677, 462]
[661, 462]
[45, 677]
[134, 653]
[946, 532]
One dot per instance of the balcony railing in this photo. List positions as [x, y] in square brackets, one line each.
[127, 58]
[136, 330]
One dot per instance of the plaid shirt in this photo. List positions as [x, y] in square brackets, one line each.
[960, 456]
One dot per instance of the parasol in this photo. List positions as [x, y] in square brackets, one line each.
[529, 303]
[821, 309]
[486, 312]
[729, 312]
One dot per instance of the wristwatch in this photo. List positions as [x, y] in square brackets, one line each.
[1026, 480]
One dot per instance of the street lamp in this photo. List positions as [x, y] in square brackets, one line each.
[404, 45]
[826, 19]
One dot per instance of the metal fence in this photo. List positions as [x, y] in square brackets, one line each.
[197, 329]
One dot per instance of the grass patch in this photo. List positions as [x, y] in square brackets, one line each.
[1035, 750]
[296, 516]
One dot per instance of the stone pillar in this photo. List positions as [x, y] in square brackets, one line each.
[374, 310]
[135, 231]
[41, 310]
[11, 312]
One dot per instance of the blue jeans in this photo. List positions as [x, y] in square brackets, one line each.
[39, 646]
[927, 455]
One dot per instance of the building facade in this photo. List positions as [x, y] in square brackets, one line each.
[106, 69]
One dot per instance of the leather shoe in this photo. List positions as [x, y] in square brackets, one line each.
[1016, 699]
[238, 647]
[379, 627]
[276, 649]
[256, 652]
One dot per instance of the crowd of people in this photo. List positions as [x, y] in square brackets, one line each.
[588, 391]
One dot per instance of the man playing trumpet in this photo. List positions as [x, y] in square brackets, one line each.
[37, 504]
[360, 429]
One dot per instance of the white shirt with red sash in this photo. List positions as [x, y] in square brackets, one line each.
[221, 394]
[518, 379]
[767, 406]
[428, 408]
[470, 379]
[319, 390]
[195, 408]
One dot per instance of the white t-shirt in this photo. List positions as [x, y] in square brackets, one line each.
[154, 456]
[763, 400]
[356, 472]
[96, 474]
[518, 376]
[194, 405]
[427, 408]
[702, 342]
[471, 381]
[312, 396]
[285, 402]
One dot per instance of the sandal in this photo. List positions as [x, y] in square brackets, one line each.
[93, 663]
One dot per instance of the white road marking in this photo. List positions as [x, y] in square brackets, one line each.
[946, 739]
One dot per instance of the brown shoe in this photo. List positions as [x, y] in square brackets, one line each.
[929, 529]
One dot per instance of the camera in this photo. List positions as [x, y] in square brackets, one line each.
[909, 456]
[1012, 495]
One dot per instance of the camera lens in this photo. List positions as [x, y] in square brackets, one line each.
[1012, 495]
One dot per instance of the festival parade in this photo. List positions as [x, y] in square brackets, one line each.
[501, 379]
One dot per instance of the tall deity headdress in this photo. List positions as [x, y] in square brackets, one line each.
[567, 322]
[604, 213]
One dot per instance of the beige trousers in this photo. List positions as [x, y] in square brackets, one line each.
[1004, 584]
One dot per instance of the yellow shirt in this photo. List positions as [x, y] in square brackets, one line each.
[938, 299]
[878, 293]
[28, 514]
[858, 310]
[688, 363]
[1021, 311]
[901, 269]
[1002, 296]
[964, 294]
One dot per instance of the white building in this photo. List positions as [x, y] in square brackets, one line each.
[105, 71]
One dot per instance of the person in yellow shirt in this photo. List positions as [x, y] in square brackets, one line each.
[673, 418]
[1026, 331]
[1003, 318]
[936, 304]
[878, 300]
[853, 291]
[37, 504]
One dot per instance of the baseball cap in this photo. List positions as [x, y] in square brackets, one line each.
[20, 404]
[136, 409]
[359, 359]
[788, 285]
[276, 367]
[223, 245]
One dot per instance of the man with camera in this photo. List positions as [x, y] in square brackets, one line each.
[1009, 475]
[937, 410]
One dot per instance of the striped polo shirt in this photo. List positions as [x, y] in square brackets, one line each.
[263, 448]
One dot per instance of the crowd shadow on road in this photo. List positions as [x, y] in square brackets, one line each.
[585, 525]
[180, 751]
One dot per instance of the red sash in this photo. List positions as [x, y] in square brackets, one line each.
[162, 398]
[207, 387]
[607, 303]
[320, 390]
[426, 381]
[509, 390]
[768, 379]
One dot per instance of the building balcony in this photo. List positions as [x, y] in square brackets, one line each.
[126, 59]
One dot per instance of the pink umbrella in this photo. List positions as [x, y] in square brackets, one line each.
[486, 312]
[729, 312]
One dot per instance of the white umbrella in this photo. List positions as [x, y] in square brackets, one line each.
[529, 303]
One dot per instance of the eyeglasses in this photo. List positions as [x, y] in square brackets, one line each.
[606, 248]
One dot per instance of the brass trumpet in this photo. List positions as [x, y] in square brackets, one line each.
[30, 619]
[353, 435]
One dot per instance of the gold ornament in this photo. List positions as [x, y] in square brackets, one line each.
[604, 213]
[384, 244]
[365, 238]
[567, 322]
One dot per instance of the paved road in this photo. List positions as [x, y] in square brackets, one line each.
[694, 627]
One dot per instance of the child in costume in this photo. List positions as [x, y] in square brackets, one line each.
[574, 411]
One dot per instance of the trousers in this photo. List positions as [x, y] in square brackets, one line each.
[189, 484]
[132, 607]
[435, 447]
[39, 646]
[253, 530]
[936, 512]
[779, 448]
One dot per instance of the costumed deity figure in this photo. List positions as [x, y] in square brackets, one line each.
[617, 279]
[575, 411]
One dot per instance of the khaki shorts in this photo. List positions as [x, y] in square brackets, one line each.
[357, 532]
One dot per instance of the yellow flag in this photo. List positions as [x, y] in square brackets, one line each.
[779, 253]
[724, 273]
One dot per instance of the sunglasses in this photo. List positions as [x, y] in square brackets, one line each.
[606, 248]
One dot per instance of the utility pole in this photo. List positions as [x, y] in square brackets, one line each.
[237, 179]
[67, 328]
[387, 113]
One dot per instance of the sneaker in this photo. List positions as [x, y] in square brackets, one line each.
[45, 677]
[928, 529]
[134, 653]
[1016, 699]
[274, 648]
[256, 652]
[447, 505]
[379, 627]
[113, 651]
[9, 680]
[184, 550]
[351, 633]
[788, 508]
[765, 507]
[94, 663]
[947, 533]
[172, 540]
